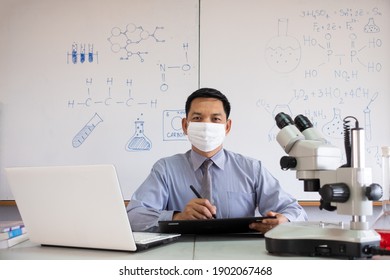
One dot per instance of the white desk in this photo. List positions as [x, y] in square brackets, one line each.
[188, 247]
[181, 249]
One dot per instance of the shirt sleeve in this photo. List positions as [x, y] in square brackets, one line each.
[272, 197]
[143, 218]
[146, 206]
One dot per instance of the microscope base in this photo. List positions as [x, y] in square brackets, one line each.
[320, 239]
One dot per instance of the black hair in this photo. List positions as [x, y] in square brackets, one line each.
[209, 93]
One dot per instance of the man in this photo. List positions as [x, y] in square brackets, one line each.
[239, 185]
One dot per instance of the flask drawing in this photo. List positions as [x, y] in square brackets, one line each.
[334, 128]
[371, 27]
[139, 141]
[283, 52]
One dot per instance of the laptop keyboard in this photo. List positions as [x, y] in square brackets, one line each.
[147, 237]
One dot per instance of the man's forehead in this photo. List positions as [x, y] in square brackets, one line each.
[201, 100]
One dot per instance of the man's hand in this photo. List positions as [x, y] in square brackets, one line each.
[196, 209]
[268, 224]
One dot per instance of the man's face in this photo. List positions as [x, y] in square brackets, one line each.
[206, 110]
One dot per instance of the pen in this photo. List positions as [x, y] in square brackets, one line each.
[199, 196]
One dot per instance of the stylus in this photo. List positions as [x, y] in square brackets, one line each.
[199, 196]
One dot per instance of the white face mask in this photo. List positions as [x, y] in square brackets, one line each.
[206, 136]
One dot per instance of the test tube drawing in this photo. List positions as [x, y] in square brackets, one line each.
[74, 53]
[80, 54]
[367, 118]
[139, 141]
[84, 133]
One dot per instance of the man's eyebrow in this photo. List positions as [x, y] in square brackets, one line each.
[196, 113]
[199, 114]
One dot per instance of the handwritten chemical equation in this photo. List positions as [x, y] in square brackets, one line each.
[334, 93]
[345, 42]
[345, 12]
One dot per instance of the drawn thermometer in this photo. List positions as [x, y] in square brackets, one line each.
[86, 130]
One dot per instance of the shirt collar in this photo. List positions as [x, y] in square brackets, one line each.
[197, 159]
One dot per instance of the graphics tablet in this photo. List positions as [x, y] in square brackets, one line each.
[211, 226]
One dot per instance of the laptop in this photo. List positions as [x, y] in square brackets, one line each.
[211, 226]
[77, 206]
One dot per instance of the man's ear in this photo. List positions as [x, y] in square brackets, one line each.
[228, 126]
[184, 125]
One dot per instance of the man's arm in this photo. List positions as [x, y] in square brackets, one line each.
[273, 198]
[143, 218]
[146, 206]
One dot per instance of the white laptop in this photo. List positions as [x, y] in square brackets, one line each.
[77, 206]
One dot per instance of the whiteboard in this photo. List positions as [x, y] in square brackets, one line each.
[94, 81]
[324, 59]
[90, 82]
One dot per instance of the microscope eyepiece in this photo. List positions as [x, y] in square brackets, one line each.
[282, 120]
[302, 122]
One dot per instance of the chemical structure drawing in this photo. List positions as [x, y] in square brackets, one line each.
[273, 111]
[334, 127]
[185, 67]
[138, 142]
[123, 96]
[283, 52]
[349, 53]
[172, 128]
[79, 54]
[86, 131]
[124, 41]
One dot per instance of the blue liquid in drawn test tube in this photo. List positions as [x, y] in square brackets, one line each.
[86, 131]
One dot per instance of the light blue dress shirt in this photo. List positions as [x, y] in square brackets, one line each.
[240, 186]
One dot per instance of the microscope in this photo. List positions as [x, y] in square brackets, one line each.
[347, 189]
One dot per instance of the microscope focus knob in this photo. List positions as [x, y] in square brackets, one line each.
[338, 192]
[374, 192]
[288, 162]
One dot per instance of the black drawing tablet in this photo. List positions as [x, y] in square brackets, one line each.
[211, 226]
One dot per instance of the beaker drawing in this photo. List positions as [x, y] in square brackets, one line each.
[283, 52]
[86, 130]
[139, 141]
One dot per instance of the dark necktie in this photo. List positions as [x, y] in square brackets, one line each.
[206, 181]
